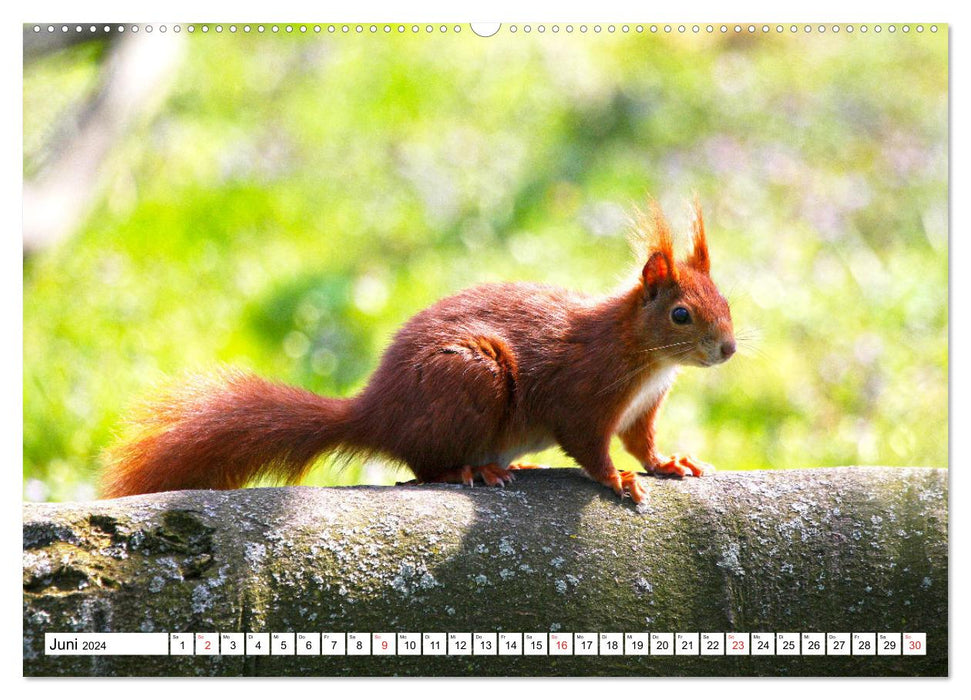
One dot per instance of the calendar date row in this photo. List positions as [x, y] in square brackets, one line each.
[489, 643]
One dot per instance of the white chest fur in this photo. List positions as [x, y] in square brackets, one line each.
[646, 396]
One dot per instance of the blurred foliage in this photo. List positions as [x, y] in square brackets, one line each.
[298, 197]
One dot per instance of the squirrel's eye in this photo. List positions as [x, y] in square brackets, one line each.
[680, 315]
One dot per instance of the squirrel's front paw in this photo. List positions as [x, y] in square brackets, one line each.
[679, 466]
[626, 483]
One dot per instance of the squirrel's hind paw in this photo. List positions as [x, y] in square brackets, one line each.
[491, 474]
[494, 475]
[679, 466]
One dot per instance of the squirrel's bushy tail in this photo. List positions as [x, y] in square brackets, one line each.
[222, 431]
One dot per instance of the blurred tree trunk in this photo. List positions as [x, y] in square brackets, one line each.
[135, 77]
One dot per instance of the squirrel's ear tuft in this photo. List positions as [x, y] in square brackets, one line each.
[654, 231]
[699, 255]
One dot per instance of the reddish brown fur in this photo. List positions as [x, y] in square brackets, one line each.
[477, 379]
[222, 432]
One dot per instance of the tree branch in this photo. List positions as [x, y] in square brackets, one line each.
[829, 550]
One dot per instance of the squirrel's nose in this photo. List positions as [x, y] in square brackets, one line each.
[728, 349]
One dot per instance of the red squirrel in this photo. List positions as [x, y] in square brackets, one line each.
[467, 386]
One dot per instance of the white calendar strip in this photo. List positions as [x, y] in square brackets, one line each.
[487, 644]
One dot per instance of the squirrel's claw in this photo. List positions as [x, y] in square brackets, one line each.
[679, 466]
[626, 482]
[697, 467]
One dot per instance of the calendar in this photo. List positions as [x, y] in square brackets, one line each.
[284, 196]
[488, 644]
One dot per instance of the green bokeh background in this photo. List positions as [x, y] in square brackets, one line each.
[297, 197]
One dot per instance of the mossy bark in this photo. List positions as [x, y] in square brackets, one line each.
[828, 550]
